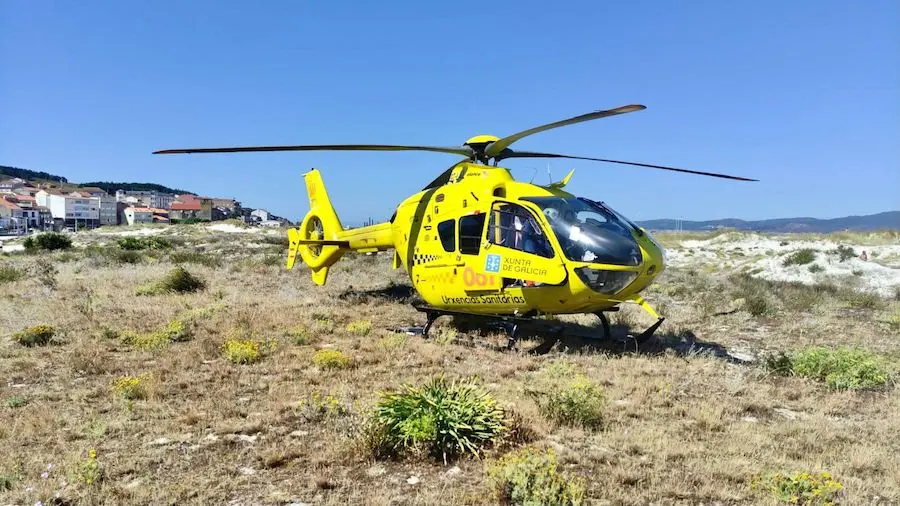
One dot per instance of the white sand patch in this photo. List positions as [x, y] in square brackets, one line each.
[129, 232]
[9, 248]
[233, 229]
[764, 257]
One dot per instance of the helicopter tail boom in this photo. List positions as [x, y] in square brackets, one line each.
[321, 239]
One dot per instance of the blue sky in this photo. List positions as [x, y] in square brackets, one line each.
[803, 95]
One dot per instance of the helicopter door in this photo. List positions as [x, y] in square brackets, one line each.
[471, 256]
[517, 248]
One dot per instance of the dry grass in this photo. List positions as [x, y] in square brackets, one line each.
[692, 418]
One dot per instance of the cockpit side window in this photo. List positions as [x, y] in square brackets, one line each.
[513, 226]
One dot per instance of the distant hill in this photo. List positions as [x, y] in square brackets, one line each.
[30, 175]
[880, 221]
[111, 188]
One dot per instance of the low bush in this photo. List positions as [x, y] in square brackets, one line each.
[844, 253]
[246, 351]
[359, 327]
[331, 359]
[839, 368]
[38, 335]
[568, 397]
[131, 387]
[176, 330]
[801, 488]
[530, 477]
[178, 280]
[442, 419]
[321, 406]
[47, 241]
[141, 243]
[815, 268]
[800, 257]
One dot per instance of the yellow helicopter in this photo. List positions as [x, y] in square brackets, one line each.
[476, 242]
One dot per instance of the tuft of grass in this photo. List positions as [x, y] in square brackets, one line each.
[814, 268]
[321, 406]
[442, 419]
[567, 397]
[37, 335]
[840, 368]
[178, 280]
[331, 359]
[299, 334]
[9, 273]
[862, 300]
[131, 387]
[16, 402]
[195, 257]
[359, 327]
[800, 257]
[893, 319]
[531, 477]
[801, 488]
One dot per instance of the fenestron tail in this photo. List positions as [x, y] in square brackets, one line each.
[321, 239]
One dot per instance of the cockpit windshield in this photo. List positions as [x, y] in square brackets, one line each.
[589, 231]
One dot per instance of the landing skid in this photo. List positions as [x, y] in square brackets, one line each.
[641, 338]
[513, 324]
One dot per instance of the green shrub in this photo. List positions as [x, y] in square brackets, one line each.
[529, 477]
[841, 368]
[800, 257]
[814, 268]
[801, 488]
[140, 243]
[9, 273]
[178, 280]
[844, 253]
[331, 359]
[48, 241]
[38, 335]
[568, 397]
[440, 419]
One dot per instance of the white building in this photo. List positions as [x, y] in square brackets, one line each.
[138, 215]
[261, 214]
[70, 210]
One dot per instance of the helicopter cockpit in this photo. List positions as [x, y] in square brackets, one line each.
[588, 231]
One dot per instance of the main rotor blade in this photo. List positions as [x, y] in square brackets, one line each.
[531, 154]
[461, 150]
[444, 178]
[498, 146]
